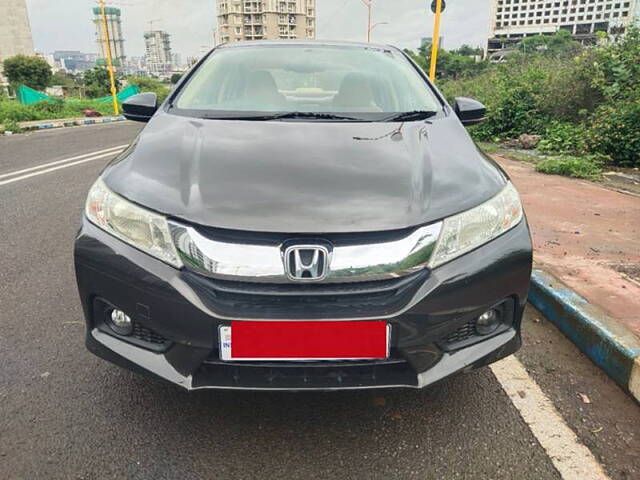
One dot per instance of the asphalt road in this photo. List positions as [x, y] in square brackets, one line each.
[66, 414]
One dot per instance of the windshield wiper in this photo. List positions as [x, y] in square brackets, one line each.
[284, 115]
[409, 116]
[318, 115]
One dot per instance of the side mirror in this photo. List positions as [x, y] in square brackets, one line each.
[141, 107]
[469, 111]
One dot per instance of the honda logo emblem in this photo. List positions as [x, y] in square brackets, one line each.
[306, 262]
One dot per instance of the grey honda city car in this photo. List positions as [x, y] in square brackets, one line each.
[303, 215]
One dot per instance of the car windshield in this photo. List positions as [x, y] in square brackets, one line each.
[340, 82]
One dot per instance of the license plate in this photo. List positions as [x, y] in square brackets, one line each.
[305, 340]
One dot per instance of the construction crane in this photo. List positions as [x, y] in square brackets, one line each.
[151, 22]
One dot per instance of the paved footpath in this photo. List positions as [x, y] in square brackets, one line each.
[586, 235]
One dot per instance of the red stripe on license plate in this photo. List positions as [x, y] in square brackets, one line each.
[309, 340]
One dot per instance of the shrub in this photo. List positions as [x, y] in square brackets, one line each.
[31, 71]
[564, 138]
[616, 66]
[614, 130]
[588, 166]
[582, 101]
[148, 84]
[13, 111]
[523, 95]
[98, 82]
[11, 126]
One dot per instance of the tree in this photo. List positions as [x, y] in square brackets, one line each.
[450, 64]
[175, 78]
[97, 82]
[468, 51]
[34, 72]
[148, 84]
[63, 78]
[560, 43]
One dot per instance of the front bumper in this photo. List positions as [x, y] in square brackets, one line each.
[177, 315]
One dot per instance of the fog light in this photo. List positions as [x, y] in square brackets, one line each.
[488, 322]
[120, 322]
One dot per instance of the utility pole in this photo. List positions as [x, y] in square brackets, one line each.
[107, 53]
[435, 41]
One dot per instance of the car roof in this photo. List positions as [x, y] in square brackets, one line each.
[302, 43]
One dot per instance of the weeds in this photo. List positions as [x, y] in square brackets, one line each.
[589, 166]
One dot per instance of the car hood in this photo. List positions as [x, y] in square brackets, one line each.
[304, 177]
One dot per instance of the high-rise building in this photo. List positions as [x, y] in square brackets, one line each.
[511, 20]
[158, 51]
[266, 19]
[15, 32]
[116, 40]
[177, 61]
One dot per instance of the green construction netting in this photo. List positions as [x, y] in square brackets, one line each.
[129, 91]
[29, 96]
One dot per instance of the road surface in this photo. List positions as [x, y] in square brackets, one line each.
[67, 414]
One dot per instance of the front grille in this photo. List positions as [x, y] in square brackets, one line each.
[300, 375]
[306, 301]
[147, 335]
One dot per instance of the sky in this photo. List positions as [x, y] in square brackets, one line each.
[66, 24]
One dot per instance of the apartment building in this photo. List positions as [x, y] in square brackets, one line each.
[158, 55]
[511, 20]
[116, 39]
[266, 19]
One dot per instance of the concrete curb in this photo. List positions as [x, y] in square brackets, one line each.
[65, 122]
[609, 345]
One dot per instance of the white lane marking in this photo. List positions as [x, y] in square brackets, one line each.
[53, 169]
[571, 458]
[64, 160]
[634, 380]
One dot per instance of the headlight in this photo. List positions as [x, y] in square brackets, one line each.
[468, 230]
[145, 230]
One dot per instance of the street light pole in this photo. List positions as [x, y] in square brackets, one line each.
[369, 31]
[107, 54]
[368, 4]
[375, 25]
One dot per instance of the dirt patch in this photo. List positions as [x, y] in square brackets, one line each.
[624, 180]
[586, 235]
[631, 270]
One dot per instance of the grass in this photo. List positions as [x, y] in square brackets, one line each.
[587, 166]
[524, 157]
[12, 111]
[489, 147]
[576, 167]
[509, 152]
